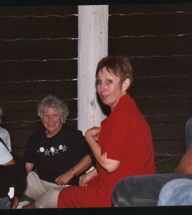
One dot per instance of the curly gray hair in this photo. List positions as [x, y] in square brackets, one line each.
[55, 103]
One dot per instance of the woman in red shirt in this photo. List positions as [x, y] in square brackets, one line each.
[122, 146]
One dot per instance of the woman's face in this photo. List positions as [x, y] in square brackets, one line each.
[52, 121]
[109, 88]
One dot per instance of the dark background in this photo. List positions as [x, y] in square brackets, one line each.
[38, 56]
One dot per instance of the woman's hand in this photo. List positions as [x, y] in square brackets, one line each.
[65, 178]
[92, 133]
[84, 179]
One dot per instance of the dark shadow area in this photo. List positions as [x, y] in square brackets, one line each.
[106, 211]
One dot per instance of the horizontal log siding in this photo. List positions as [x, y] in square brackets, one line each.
[38, 56]
[157, 39]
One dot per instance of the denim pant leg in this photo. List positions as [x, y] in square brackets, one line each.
[140, 190]
[188, 133]
[5, 203]
[176, 192]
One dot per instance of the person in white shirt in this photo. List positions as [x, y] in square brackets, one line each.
[12, 180]
[4, 134]
[5, 159]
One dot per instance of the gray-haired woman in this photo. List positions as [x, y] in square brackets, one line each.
[58, 152]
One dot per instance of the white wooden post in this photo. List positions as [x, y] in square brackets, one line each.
[92, 47]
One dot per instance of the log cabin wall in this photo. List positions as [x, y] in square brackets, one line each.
[157, 39]
[38, 57]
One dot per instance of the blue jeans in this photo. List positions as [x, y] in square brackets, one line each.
[176, 192]
[141, 190]
[5, 203]
[188, 133]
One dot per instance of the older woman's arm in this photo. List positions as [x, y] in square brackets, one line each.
[109, 165]
[185, 165]
[81, 166]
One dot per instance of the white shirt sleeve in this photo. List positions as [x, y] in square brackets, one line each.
[4, 134]
[5, 155]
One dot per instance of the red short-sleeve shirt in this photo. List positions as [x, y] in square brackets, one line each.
[126, 137]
